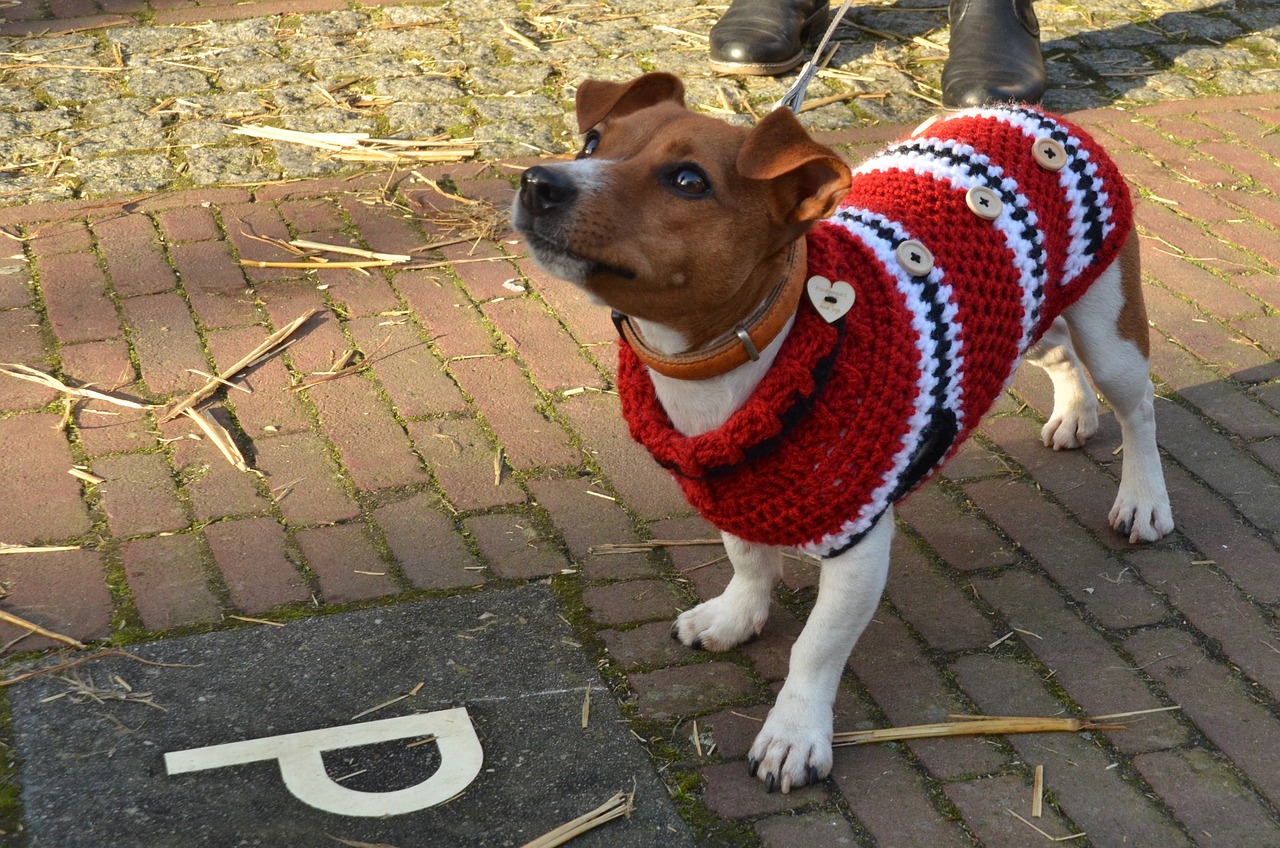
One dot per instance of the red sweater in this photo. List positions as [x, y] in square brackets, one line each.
[855, 414]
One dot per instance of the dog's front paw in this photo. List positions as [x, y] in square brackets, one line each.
[1070, 428]
[1142, 516]
[794, 747]
[721, 623]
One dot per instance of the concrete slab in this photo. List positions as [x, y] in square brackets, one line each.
[94, 774]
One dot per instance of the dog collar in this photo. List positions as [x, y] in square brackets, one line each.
[737, 347]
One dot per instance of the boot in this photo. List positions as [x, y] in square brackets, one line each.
[764, 37]
[995, 54]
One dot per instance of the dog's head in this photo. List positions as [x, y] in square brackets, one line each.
[667, 213]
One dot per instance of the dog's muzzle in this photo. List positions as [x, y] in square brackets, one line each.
[545, 191]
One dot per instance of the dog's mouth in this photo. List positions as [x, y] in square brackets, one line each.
[568, 264]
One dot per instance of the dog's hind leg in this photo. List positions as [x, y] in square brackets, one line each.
[1109, 327]
[794, 746]
[1075, 408]
[740, 611]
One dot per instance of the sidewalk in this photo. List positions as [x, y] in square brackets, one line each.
[481, 452]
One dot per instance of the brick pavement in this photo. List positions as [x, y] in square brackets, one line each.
[486, 450]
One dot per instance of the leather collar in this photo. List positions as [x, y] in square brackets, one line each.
[740, 345]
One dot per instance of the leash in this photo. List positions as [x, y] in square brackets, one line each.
[795, 95]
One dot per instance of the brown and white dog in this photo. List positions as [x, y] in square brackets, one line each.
[802, 347]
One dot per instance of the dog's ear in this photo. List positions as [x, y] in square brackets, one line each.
[598, 100]
[813, 177]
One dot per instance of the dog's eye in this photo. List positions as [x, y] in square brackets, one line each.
[690, 181]
[590, 144]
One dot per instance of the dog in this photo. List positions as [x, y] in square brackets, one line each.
[801, 345]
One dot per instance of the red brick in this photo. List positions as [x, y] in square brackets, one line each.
[199, 14]
[304, 480]
[22, 342]
[320, 341]
[214, 486]
[41, 500]
[336, 554]
[1244, 161]
[374, 448]
[72, 8]
[1242, 552]
[255, 565]
[1228, 469]
[244, 220]
[135, 259]
[732, 793]
[910, 690]
[1252, 236]
[513, 409]
[645, 486]
[104, 427]
[589, 322]
[1216, 608]
[462, 459]
[959, 537]
[413, 377]
[812, 830]
[941, 611]
[168, 581]
[892, 800]
[58, 237]
[139, 494]
[212, 280]
[1097, 797]
[1065, 552]
[454, 325]
[1227, 352]
[770, 652]
[165, 340]
[1264, 331]
[1225, 709]
[189, 223]
[1216, 398]
[1085, 665]
[584, 521]
[312, 215]
[75, 298]
[633, 600]
[1207, 796]
[272, 404]
[555, 360]
[649, 645]
[514, 547]
[354, 293]
[483, 268]
[986, 803]
[385, 228]
[430, 552]
[16, 288]
[1207, 290]
[692, 689]
[65, 592]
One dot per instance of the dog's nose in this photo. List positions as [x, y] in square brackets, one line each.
[545, 189]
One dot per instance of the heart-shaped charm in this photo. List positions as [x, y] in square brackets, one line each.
[832, 300]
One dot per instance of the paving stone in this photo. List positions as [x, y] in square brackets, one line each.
[42, 502]
[514, 547]
[632, 600]
[346, 563]
[304, 480]
[584, 521]
[960, 538]
[168, 582]
[139, 494]
[255, 564]
[375, 450]
[732, 793]
[166, 342]
[986, 803]
[21, 342]
[1207, 797]
[940, 610]
[647, 645]
[463, 460]
[817, 830]
[671, 692]
[74, 289]
[65, 592]
[425, 544]
[511, 406]
[413, 378]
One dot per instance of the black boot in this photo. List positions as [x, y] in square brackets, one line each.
[764, 37]
[995, 54]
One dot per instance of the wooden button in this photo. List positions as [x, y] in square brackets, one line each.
[914, 258]
[1049, 154]
[983, 202]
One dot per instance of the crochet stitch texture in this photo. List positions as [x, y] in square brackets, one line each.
[854, 415]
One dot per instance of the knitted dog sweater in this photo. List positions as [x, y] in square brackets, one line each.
[1020, 212]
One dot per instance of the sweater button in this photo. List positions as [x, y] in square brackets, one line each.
[983, 202]
[914, 258]
[1049, 154]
